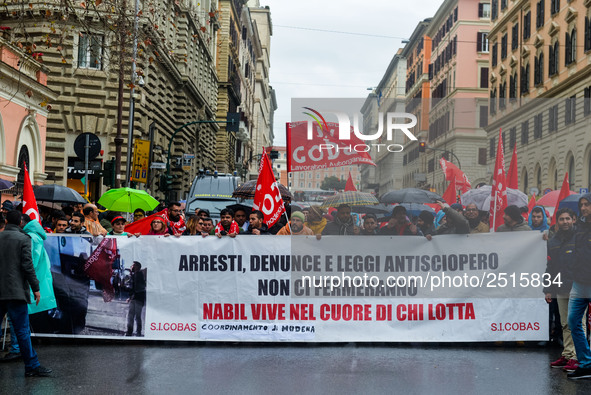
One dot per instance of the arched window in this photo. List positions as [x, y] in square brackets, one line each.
[23, 159]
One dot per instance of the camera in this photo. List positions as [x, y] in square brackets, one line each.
[224, 233]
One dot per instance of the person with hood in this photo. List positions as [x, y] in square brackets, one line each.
[537, 219]
[315, 220]
[514, 222]
[472, 214]
[580, 294]
[41, 264]
[296, 226]
[425, 222]
[560, 260]
[256, 224]
[343, 223]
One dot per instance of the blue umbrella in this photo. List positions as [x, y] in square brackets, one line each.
[5, 185]
[571, 202]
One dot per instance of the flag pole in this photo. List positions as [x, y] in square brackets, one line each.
[495, 213]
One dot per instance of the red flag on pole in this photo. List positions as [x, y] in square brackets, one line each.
[350, 186]
[564, 193]
[498, 198]
[29, 202]
[451, 193]
[267, 197]
[530, 206]
[512, 176]
[452, 172]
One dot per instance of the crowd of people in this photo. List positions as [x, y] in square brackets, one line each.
[568, 244]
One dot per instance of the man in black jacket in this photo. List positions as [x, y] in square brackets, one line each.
[256, 225]
[18, 275]
[580, 295]
[137, 299]
[561, 254]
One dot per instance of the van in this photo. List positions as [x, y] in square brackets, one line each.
[213, 192]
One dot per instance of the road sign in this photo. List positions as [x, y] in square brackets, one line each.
[583, 190]
[141, 160]
[158, 165]
[95, 165]
[94, 146]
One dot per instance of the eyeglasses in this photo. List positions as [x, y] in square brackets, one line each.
[471, 209]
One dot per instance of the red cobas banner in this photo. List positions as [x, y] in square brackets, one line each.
[267, 197]
[324, 149]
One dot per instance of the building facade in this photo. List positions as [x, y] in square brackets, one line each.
[540, 90]
[23, 117]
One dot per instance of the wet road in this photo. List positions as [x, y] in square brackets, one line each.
[183, 368]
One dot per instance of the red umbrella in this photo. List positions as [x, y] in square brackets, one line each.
[550, 199]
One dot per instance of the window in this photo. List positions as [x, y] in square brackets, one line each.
[491, 151]
[525, 79]
[493, 101]
[553, 118]
[494, 54]
[483, 120]
[484, 10]
[484, 77]
[481, 42]
[570, 47]
[540, 14]
[554, 6]
[513, 87]
[587, 101]
[527, 25]
[494, 9]
[502, 94]
[515, 37]
[570, 110]
[524, 132]
[504, 41]
[538, 125]
[539, 69]
[503, 4]
[482, 156]
[512, 137]
[90, 51]
[553, 59]
[587, 33]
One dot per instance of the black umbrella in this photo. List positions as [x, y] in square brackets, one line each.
[247, 190]
[241, 206]
[410, 195]
[57, 193]
[5, 185]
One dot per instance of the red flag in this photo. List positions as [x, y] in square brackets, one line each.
[29, 202]
[267, 197]
[99, 266]
[324, 149]
[350, 186]
[451, 193]
[564, 193]
[452, 172]
[143, 225]
[512, 176]
[498, 198]
[530, 206]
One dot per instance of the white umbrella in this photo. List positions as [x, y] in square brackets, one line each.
[481, 197]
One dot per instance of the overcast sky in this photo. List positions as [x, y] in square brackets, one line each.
[309, 63]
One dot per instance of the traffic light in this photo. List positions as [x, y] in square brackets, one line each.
[163, 184]
[274, 154]
[422, 146]
[108, 173]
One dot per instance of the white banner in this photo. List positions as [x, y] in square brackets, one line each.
[337, 289]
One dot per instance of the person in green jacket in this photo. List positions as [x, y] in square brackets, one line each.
[41, 264]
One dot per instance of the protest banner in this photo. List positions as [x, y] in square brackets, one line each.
[484, 287]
